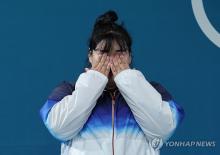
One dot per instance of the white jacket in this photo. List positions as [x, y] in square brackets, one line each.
[88, 120]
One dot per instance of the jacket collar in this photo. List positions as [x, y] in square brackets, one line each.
[109, 92]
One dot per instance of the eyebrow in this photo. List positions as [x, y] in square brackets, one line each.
[107, 50]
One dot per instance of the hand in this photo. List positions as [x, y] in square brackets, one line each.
[119, 63]
[102, 65]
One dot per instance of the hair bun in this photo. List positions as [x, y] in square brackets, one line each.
[107, 18]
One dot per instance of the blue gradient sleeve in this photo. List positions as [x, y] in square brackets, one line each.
[177, 110]
[57, 95]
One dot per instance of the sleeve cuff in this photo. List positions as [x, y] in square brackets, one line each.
[97, 74]
[126, 74]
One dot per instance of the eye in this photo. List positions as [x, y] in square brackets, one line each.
[104, 51]
[100, 51]
[119, 50]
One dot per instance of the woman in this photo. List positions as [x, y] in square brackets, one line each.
[111, 109]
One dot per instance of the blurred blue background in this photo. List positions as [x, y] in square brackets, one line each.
[43, 42]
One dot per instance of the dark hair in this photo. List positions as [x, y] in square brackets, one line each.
[106, 28]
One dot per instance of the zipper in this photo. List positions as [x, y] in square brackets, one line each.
[113, 121]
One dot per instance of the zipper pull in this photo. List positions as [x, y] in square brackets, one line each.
[113, 97]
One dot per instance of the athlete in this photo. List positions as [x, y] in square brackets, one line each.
[111, 109]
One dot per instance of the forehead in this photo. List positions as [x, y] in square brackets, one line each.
[114, 45]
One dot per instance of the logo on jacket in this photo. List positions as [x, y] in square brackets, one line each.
[156, 143]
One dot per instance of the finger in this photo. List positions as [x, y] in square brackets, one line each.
[126, 57]
[111, 59]
[121, 61]
[97, 62]
[123, 58]
[99, 66]
[104, 66]
[115, 63]
[113, 69]
[124, 63]
[120, 56]
[108, 69]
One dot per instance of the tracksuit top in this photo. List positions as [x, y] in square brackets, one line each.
[136, 119]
